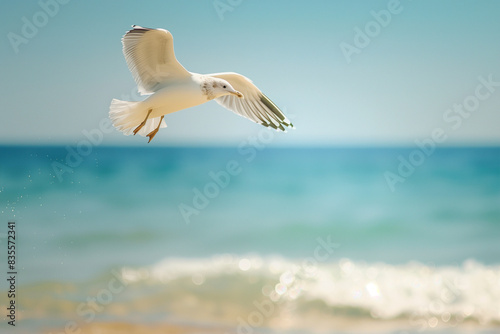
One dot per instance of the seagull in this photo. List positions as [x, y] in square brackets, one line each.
[151, 59]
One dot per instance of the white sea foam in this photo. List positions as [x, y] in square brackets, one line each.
[433, 294]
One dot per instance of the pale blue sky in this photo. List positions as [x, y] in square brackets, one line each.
[393, 91]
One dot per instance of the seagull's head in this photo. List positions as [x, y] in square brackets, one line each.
[221, 87]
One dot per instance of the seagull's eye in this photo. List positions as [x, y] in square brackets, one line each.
[224, 86]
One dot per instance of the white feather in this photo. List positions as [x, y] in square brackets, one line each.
[151, 59]
[126, 116]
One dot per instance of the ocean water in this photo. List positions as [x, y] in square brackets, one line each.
[254, 239]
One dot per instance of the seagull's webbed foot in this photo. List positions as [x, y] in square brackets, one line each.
[137, 129]
[152, 134]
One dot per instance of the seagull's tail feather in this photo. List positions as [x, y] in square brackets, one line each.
[126, 116]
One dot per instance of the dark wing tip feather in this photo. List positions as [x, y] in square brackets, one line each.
[137, 30]
[136, 27]
[271, 106]
[271, 124]
[276, 111]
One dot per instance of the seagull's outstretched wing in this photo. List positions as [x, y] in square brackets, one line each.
[254, 105]
[150, 57]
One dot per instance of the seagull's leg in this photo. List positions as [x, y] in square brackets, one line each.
[143, 122]
[155, 131]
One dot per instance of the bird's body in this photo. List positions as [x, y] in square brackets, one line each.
[151, 59]
[183, 94]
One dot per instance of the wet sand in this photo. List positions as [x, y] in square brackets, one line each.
[131, 328]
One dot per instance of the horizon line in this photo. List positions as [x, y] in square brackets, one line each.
[236, 145]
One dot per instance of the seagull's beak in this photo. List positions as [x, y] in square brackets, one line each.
[238, 94]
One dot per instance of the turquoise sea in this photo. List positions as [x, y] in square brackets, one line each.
[254, 239]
